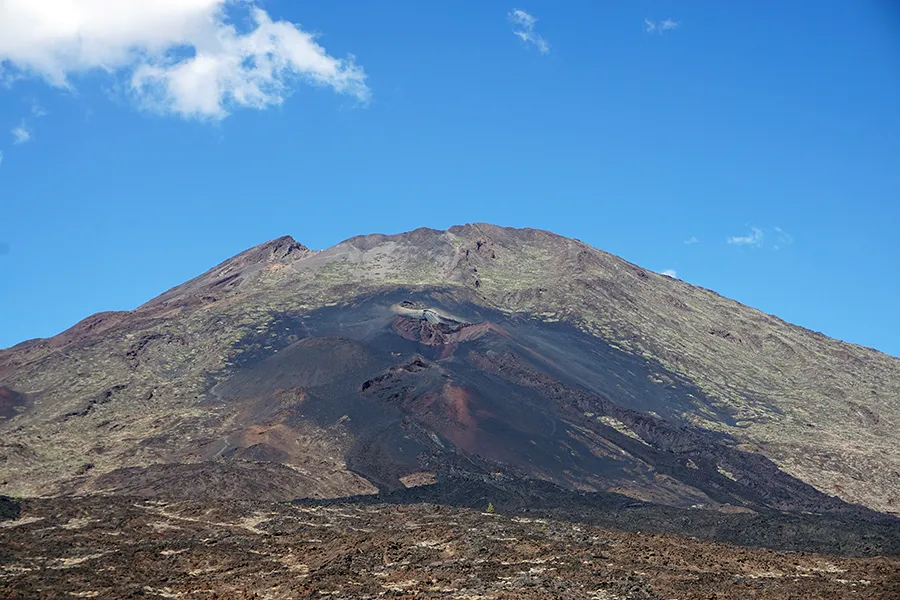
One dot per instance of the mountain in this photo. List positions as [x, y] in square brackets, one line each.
[390, 362]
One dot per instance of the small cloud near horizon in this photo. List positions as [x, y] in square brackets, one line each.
[784, 238]
[523, 27]
[754, 238]
[775, 238]
[670, 273]
[660, 27]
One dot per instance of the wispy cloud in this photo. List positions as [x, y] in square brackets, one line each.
[660, 27]
[783, 238]
[775, 238]
[195, 59]
[692, 240]
[523, 26]
[21, 134]
[754, 238]
[670, 273]
[37, 111]
[1, 158]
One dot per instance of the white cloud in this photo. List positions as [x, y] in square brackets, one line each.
[21, 134]
[784, 238]
[179, 56]
[1, 158]
[754, 238]
[660, 27]
[668, 24]
[670, 273]
[692, 240]
[523, 26]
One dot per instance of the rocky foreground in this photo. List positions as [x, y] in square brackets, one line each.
[118, 547]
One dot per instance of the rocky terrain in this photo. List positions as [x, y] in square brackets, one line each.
[454, 368]
[120, 547]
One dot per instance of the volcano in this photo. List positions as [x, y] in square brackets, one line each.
[390, 363]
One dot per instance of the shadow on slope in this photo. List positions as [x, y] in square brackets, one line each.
[9, 508]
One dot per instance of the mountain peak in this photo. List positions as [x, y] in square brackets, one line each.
[233, 273]
[282, 249]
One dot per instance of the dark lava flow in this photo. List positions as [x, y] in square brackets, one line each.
[429, 381]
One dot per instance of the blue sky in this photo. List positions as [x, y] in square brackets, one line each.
[766, 133]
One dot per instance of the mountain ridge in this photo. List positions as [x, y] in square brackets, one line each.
[287, 239]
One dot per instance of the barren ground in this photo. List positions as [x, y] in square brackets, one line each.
[118, 547]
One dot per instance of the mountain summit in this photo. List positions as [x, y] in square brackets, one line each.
[390, 362]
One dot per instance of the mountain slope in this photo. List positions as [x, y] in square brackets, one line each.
[390, 359]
